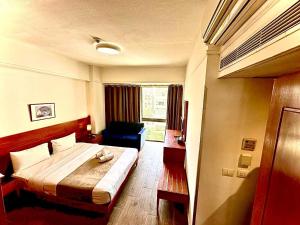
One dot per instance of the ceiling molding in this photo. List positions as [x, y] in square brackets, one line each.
[35, 70]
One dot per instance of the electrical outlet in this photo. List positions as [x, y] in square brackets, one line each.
[230, 172]
[242, 173]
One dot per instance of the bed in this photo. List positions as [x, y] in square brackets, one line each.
[73, 177]
[76, 174]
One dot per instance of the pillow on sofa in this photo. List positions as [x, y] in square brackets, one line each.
[28, 157]
[63, 143]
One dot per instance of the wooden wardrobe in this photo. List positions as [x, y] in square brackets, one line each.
[277, 199]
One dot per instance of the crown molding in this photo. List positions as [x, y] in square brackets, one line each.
[34, 70]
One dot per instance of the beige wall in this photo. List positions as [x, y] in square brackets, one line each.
[194, 93]
[19, 55]
[32, 75]
[143, 75]
[234, 109]
[96, 101]
[18, 88]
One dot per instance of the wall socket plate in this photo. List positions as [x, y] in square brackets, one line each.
[242, 173]
[245, 160]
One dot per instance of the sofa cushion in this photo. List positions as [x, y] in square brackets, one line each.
[132, 137]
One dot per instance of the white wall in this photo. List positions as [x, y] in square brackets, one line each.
[96, 100]
[18, 88]
[235, 109]
[194, 93]
[19, 55]
[32, 75]
[143, 75]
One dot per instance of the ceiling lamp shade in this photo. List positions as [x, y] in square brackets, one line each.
[106, 48]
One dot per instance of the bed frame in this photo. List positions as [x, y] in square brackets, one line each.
[21, 141]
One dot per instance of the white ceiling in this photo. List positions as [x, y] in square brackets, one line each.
[150, 32]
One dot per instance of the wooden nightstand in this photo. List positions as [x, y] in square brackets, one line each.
[94, 139]
[10, 186]
[2, 208]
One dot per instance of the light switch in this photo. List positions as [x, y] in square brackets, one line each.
[230, 172]
[227, 172]
[245, 160]
[242, 173]
[224, 171]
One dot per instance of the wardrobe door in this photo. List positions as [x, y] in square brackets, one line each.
[283, 197]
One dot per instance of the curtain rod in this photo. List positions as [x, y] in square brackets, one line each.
[143, 84]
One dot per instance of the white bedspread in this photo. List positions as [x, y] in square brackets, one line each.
[45, 176]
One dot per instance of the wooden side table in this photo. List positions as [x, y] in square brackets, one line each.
[94, 139]
[11, 186]
[2, 207]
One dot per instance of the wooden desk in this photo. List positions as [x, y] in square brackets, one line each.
[173, 152]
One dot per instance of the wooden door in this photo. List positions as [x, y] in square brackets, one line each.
[283, 196]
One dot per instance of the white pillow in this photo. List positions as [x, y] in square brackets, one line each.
[63, 143]
[26, 158]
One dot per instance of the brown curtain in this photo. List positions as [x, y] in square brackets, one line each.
[175, 93]
[122, 103]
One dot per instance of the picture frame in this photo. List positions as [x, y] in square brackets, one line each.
[41, 111]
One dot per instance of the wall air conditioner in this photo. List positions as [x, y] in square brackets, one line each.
[281, 24]
[228, 17]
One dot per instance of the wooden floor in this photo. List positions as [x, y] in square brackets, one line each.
[136, 205]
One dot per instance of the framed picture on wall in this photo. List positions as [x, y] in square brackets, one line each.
[41, 111]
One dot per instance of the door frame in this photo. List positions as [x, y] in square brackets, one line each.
[285, 95]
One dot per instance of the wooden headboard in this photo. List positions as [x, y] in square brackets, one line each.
[29, 139]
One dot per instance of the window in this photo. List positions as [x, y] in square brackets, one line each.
[154, 111]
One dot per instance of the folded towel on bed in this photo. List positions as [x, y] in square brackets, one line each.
[99, 154]
[106, 157]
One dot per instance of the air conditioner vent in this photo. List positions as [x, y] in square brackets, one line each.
[282, 23]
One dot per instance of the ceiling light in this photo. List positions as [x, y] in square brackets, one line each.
[108, 49]
[105, 47]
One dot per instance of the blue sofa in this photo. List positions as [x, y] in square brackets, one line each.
[125, 134]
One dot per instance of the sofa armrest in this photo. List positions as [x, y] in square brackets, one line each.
[143, 130]
[142, 137]
[106, 136]
[105, 132]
